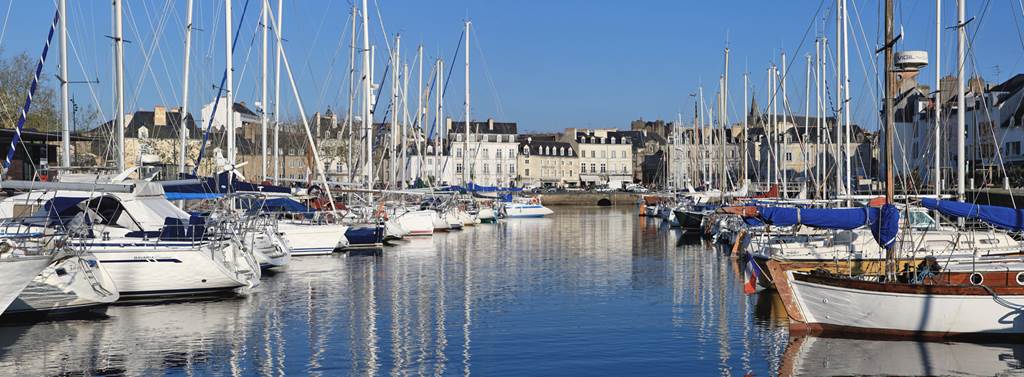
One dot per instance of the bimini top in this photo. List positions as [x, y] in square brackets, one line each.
[1011, 219]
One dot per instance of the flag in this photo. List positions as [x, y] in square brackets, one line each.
[750, 276]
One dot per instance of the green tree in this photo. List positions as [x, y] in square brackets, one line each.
[15, 77]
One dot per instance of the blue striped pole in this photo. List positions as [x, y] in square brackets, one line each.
[28, 100]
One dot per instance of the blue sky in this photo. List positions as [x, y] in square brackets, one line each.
[545, 64]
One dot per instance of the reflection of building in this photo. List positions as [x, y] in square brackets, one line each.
[548, 163]
[491, 152]
[606, 156]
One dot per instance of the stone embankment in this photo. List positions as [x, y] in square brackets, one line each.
[590, 198]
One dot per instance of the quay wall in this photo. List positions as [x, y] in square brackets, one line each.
[590, 198]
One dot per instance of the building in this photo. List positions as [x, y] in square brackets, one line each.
[490, 152]
[605, 156]
[544, 163]
[649, 153]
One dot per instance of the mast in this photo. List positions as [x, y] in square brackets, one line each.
[65, 156]
[961, 103]
[746, 115]
[465, 155]
[784, 144]
[405, 124]
[819, 158]
[938, 98]
[846, 99]
[277, 93]
[725, 121]
[419, 111]
[263, 104]
[439, 142]
[183, 132]
[395, 79]
[890, 120]
[367, 100]
[119, 83]
[839, 103]
[229, 90]
[349, 125]
[807, 118]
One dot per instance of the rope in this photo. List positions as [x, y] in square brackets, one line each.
[28, 99]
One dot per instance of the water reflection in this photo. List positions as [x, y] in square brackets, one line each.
[588, 291]
[814, 356]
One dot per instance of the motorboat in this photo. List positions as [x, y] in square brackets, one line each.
[524, 208]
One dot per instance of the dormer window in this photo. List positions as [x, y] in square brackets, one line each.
[613, 140]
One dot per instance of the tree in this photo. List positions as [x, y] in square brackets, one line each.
[15, 77]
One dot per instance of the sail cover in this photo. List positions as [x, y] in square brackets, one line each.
[1011, 219]
[883, 221]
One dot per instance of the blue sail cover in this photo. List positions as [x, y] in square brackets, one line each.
[1011, 219]
[884, 221]
[215, 187]
[473, 187]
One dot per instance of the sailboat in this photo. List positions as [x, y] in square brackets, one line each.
[958, 298]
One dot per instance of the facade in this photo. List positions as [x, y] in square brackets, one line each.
[606, 156]
[548, 164]
[490, 152]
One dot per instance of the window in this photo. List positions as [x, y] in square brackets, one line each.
[593, 168]
[593, 154]
[526, 150]
[602, 168]
[458, 152]
[583, 168]
[497, 154]
[511, 168]
[458, 168]
[527, 172]
[613, 154]
[604, 154]
[497, 168]
[486, 169]
[613, 140]
[789, 156]
[624, 169]
[486, 153]
[458, 137]
[511, 152]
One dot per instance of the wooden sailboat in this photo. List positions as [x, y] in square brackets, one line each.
[963, 298]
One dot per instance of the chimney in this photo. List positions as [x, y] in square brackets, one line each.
[159, 116]
[490, 124]
[529, 139]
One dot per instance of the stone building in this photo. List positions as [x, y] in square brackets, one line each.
[543, 163]
[490, 152]
[606, 156]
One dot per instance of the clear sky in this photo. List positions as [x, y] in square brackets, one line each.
[546, 64]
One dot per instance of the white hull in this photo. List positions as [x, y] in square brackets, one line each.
[515, 210]
[440, 223]
[70, 283]
[169, 268]
[313, 239]
[486, 214]
[856, 309]
[418, 223]
[16, 273]
[268, 247]
[393, 230]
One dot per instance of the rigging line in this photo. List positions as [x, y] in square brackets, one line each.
[799, 47]
[316, 81]
[220, 89]
[147, 56]
[330, 71]
[487, 74]
[7, 16]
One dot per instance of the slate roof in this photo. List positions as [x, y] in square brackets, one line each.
[500, 128]
[547, 148]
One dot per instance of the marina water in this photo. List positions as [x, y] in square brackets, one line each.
[588, 291]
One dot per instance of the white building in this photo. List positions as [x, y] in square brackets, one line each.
[606, 156]
[490, 152]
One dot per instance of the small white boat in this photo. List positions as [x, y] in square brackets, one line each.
[525, 209]
[312, 239]
[418, 223]
[486, 214]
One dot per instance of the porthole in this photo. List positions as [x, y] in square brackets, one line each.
[1020, 278]
[977, 279]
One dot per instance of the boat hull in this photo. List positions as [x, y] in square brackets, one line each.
[174, 269]
[689, 220]
[313, 239]
[852, 306]
[418, 223]
[70, 284]
[18, 273]
[362, 236]
[515, 210]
